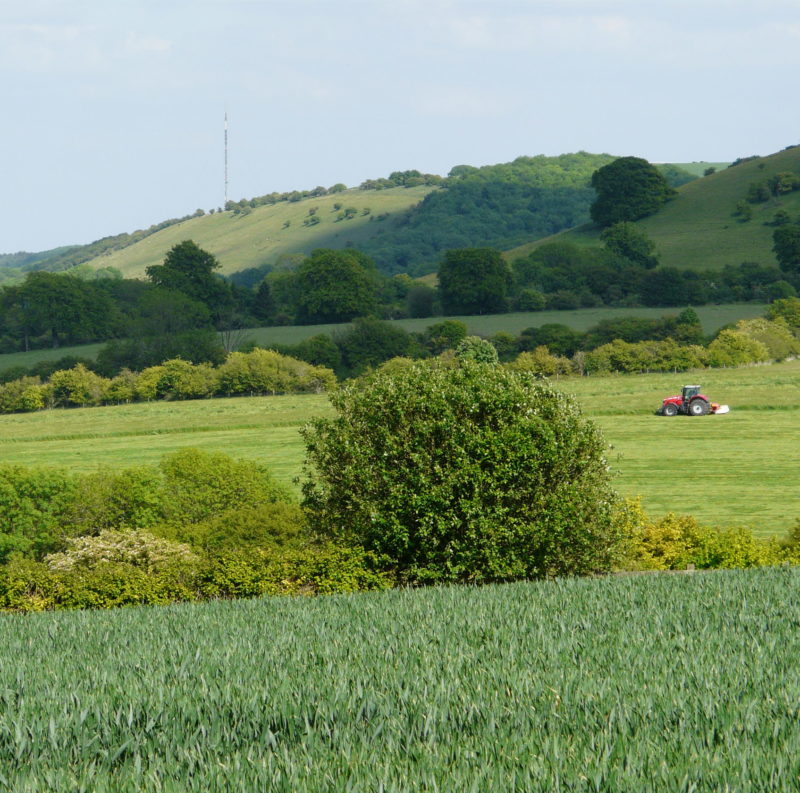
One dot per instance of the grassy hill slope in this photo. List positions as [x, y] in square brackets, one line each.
[697, 230]
[243, 241]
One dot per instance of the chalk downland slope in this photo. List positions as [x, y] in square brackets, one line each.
[698, 230]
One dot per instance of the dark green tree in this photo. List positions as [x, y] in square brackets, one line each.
[443, 336]
[664, 287]
[369, 343]
[263, 302]
[67, 309]
[628, 189]
[469, 473]
[420, 300]
[559, 339]
[189, 269]
[334, 286]
[786, 245]
[474, 281]
[627, 240]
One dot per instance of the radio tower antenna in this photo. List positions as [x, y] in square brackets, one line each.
[225, 205]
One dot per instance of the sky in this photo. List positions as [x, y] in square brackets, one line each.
[113, 112]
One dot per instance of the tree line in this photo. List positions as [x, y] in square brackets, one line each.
[631, 345]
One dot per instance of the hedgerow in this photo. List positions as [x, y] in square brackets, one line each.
[253, 373]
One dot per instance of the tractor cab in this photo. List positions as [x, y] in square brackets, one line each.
[689, 393]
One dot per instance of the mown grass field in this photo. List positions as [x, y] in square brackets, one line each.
[697, 230]
[242, 241]
[737, 469]
[632, 685]
[711, 317]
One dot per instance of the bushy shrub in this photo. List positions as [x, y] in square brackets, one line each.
[198, 485]
[269, 372]
[674, 542]
[474, 348]
[122, 388]
[23, 395]
[146, 385]
[31, 502]
[775, 335]
[181, 379]
[273, 525]
[462, 473]
[734, 348]
[324, 570]
[131, 498]
[133, 547]
[644, 356]
[541, 363]
[78, 387]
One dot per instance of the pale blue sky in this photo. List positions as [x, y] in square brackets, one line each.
[113, 109]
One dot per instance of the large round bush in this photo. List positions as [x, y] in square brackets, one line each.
[469, 472]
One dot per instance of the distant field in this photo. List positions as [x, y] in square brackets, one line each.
[735, 469]
[697, 230]
[28, 359]
[699, 168]
[712, 318]
[643, 684]
[242, 241]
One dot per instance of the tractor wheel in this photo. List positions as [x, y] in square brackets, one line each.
[698, 407]
[669, 410]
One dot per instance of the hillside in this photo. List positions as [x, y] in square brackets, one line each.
[265, 233]
[405, 228]
[698, 229]
[404, 222]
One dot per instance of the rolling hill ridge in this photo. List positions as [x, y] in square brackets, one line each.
[700, 228]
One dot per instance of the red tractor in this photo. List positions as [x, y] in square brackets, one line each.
[690, 403]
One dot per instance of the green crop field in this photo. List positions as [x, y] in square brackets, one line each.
[632, 685]
[737, 469]
[242, 241]
[711, 317]
[697, 230]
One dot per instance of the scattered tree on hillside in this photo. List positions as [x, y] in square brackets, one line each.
[467, 472]
[629, 188]
[474, 281]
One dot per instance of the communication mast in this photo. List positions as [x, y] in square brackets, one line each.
[225, 205]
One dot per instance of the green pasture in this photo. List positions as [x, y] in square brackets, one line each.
[641, 684]
[32, 357]
[697, 230]
[242, 241]
[737, 469]
[711, 317]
